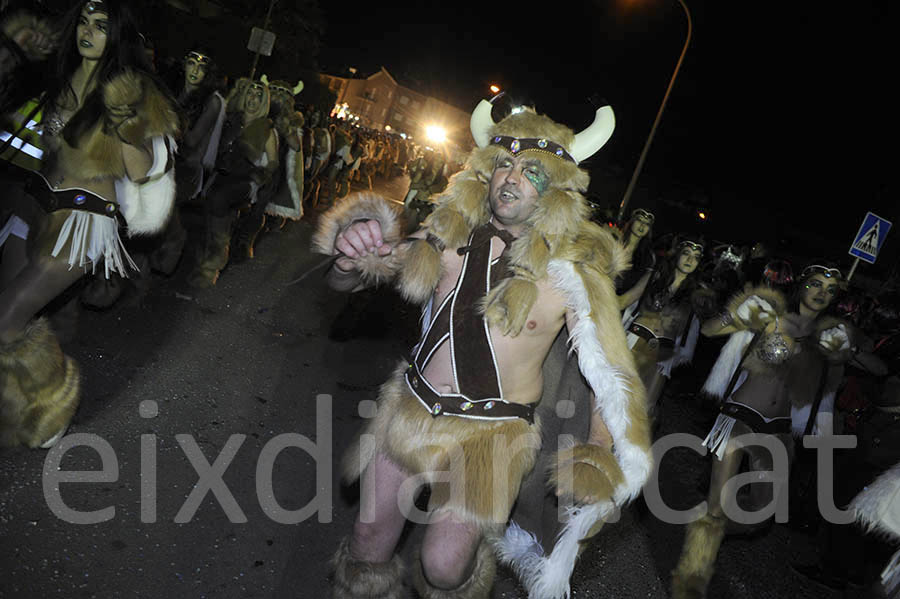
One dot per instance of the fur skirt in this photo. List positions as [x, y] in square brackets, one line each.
[474, 467]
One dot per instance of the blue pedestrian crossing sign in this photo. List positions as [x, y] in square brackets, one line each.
[870, 237]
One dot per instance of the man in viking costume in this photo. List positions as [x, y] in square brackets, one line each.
[507, 259]
[94, 149]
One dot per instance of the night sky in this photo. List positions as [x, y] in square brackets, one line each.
[777, 117]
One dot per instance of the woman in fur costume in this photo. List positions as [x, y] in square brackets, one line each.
[777, 360]
[105, 140]
[506, 259]
[662, 325]
[248, 156]
[285, 192]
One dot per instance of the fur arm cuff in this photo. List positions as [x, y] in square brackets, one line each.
[754, 309]
[362, 207]
[588, 473]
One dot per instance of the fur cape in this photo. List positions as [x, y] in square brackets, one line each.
[138, 113]
[581, 259]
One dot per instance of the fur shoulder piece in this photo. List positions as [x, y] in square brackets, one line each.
[775, 299]
[361, 207]
[596, 247]
[137, 109]
[15, 23]
[136, 112]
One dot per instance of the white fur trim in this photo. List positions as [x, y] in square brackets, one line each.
[295, 213]
[547, 576]
[728, 361]
[607, 383]
[148, 206]
[878, 505]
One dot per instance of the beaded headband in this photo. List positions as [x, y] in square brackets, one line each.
[95, 6]
[818, 269]
[202, 59]
[517, 145]
[698, 247]
[645, 214]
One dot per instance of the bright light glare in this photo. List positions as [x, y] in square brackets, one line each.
[435, 133]
[517, 109]
[495, 89]
[387, 127]
[702, 215]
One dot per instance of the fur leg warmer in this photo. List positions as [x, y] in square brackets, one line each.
[478, 586]
[695, 568]
[355, 579]
[39, 388]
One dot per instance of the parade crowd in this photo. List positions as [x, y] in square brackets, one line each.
[114, 169]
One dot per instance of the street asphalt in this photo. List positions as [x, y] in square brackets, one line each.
[260, 382]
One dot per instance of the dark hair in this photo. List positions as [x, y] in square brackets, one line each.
[124, 49]
[193, 104]
[664, 276]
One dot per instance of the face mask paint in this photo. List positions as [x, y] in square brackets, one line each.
[538, 178]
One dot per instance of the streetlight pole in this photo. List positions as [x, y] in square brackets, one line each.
[640, 164]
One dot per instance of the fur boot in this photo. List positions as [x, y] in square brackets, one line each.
[248, 230]
[215, 253]
[39, 388]
[478, 586]
[695, 568]
[354, 579]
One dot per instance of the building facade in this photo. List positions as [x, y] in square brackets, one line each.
[379, 102]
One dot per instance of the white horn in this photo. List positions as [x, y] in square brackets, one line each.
[298, 88]
[264, 79]
[481, 122]
[589, 141]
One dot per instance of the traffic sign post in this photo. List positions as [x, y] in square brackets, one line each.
[868, 240]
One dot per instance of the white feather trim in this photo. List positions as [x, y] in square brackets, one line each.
[547, 576]
[92, 238]
[728, 361]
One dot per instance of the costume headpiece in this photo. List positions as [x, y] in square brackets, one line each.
[96, 6]
[687, 243]
[818, 269]
[283, 86]
[202, 59]
[550, 230]
[778, 272]
[643, 214]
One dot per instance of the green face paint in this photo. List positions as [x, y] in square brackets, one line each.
[537, 177]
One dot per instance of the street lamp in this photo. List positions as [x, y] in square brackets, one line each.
[640, 164]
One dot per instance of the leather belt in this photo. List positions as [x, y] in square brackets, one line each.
[756, 422]
[454, 405]
[66, 199]
[652, 340]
